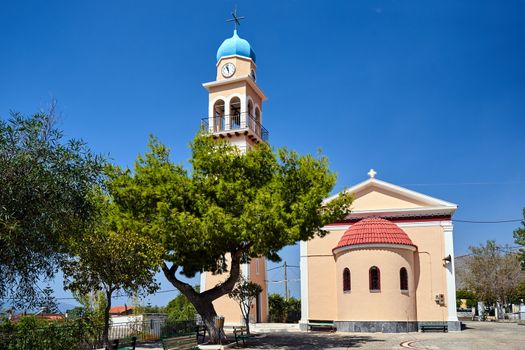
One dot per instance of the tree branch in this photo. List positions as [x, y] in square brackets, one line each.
[226, 286]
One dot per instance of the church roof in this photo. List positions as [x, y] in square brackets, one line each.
[374, 231]
[235, 46]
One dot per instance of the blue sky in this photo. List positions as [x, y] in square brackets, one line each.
[430, 94]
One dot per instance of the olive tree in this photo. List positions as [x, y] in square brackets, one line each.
[45, 199]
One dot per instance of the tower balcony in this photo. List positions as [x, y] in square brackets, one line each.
[226, 126]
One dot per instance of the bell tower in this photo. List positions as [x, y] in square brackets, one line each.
[235, 114]
[235, 99]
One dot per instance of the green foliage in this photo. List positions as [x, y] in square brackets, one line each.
[468, 296]
[519, 238]
[281, 309]
[112, 257]
[48, 302]
[45, 186]
[226, 202]
[180, 308]
[34, 333]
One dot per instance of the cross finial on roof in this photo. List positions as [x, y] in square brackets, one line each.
[372, 173]
[236, 19]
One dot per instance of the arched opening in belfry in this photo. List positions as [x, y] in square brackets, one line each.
[218, 116]
[235, 112]
[249, 117]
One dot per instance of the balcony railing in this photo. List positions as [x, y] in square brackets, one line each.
[236, 122]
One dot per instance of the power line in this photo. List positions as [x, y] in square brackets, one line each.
[487, 222]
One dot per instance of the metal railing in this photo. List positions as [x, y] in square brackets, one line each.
[78, 337]
[236, 122]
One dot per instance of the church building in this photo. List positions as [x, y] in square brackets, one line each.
[387, 267]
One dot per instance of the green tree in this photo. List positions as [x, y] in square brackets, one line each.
[180, 308]
[111, 258]
[244, 293]
[48, 303]
[519, 237]
[468, 296]
[492, 272]
[277, 306]
[45, 186]
[280, 308]
[229, 208]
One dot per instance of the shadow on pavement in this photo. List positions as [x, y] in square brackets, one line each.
[309, 341]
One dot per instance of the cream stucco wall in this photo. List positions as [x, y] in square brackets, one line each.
[389, 303]
[373, 198]
[430, 271]
[243, 66]
[229, 308]
[322, 292]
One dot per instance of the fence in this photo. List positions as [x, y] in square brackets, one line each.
[77, 336]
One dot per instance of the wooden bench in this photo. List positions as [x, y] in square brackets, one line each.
[185, 342]
[240, 333]
[321, 325]
[124, 344]
[434, 327]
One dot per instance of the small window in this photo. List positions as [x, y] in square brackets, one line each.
[374, 278]
[257, 266]
[403, 279]
[347, 286]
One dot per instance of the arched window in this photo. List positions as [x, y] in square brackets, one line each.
[218, 116]
[374, 278]
[250, 119]
[235, 113]
[403, 279]
[347, 286]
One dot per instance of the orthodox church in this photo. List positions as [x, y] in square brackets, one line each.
[387, 267]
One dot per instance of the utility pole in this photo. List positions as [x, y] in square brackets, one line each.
[285, 282]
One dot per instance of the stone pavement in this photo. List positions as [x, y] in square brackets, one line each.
[477, 336]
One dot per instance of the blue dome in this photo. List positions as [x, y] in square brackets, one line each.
[235, 46]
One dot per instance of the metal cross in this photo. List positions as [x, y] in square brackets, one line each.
[236, 19]
[372, 173]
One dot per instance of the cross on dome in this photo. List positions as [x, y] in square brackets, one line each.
[236, 19]
[372, 173]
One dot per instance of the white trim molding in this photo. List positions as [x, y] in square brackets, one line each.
[450, 275]
[303, 265]
[344, 227]
[373, 246]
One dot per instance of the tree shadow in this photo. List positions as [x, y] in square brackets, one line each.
[303, 341]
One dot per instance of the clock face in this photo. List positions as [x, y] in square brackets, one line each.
[228, 70]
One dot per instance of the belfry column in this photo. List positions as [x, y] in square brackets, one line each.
[227, 117]
[453, 323]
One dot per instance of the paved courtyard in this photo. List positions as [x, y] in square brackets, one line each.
[477, 336]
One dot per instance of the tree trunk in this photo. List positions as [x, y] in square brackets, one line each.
[105, 334]
[245, 309]
[203, 300]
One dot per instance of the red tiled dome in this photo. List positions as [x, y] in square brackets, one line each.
[374, 231]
